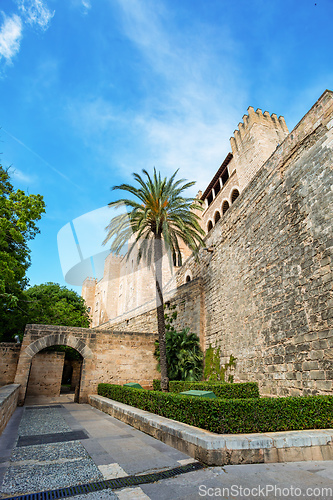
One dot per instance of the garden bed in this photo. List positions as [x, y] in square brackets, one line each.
[230, 416]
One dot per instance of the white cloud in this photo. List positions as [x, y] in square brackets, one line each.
[83, 5]
[35, 13]
[192, 106]
[86, 4]
[21, 176]
[10, 37]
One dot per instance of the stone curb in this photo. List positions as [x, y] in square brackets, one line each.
[8, 403]
[223, 449]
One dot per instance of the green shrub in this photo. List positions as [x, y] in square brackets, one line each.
[220, 389]
[157, 384]
[184, 355]
[225, 416]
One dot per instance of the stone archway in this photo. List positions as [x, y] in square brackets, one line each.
[27, 353]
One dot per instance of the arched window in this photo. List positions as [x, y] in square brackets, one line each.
[225, 206]
[217, 217]
[210, 225]
[234, 195]
[188, 278]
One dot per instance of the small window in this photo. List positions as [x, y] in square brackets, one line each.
[210, 226]
[217, 217]
[210, 198]
[225, 207]
[217, 188]
[234, 195]
[225, 176]
[89, 309]
[188, 278]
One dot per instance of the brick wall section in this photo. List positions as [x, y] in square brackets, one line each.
[9, 355]
[8, 403]
[45, 374]
[268, 283]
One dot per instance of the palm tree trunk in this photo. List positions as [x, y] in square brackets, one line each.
[160, 313]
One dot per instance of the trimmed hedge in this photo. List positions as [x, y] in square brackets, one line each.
[230, 416]
[220, 389]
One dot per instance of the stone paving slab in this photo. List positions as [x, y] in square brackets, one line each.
[281, 481]
[100, 449]
[91, 456]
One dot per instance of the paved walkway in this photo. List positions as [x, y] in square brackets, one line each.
[63, 444]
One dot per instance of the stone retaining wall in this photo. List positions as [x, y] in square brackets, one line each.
[224, 449]
[8, 402]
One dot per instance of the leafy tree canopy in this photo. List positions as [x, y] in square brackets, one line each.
[52, 304]
[18, 215]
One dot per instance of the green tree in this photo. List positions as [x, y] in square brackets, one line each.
[18, 215]
[159, 215]
[52, 304]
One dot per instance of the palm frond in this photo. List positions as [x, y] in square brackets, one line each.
[159, 208]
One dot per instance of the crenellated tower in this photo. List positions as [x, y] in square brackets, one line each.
[255, 140]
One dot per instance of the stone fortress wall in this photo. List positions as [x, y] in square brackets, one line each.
[126, 286]
[262, 289]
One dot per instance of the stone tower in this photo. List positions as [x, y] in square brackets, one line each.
[255, 140]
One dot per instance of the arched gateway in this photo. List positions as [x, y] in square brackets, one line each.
[105, 355]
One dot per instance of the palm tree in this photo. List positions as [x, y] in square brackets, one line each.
[159, 215]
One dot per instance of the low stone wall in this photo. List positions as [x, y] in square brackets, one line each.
[8, 402]
[223, 449]
[9, 355]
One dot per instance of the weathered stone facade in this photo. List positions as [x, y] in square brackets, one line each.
[45, 374]
[268, 281]
[264, 283]
[9, 355]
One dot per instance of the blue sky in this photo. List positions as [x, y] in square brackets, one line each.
[93, 90]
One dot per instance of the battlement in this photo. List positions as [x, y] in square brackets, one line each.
[264, 120]
[89, 282]
[114, 257]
